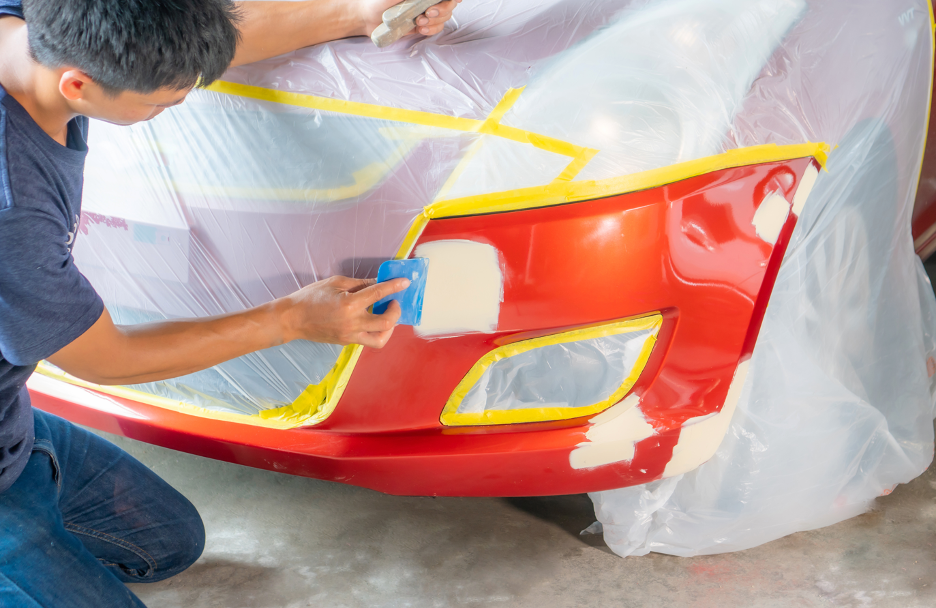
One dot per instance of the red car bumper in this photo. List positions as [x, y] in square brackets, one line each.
[689, 251]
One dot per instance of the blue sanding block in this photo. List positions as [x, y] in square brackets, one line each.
[411, 298]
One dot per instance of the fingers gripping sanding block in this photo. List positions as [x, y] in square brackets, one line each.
[411, 298]
[399, 20]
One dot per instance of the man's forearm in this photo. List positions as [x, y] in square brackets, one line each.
[334, 311]
[269, 29]
[168, 349]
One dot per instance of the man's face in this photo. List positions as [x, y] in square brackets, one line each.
[129, 107]
[87, 98]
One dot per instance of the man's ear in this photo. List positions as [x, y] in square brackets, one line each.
[73, 84]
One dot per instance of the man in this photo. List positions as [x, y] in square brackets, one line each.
[78, 516]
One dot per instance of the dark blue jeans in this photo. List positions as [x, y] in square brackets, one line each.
[84, 518]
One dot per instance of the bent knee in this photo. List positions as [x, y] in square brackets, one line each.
[191, 539]
[182, 543]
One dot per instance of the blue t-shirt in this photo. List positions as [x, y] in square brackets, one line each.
[11, 7]
[45, 303]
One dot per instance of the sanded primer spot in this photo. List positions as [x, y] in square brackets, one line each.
[700, 437]
[613, 437]
[770, 217]
[464, 288]
[804, 189]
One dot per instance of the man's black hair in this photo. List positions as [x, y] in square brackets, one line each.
[135, 45]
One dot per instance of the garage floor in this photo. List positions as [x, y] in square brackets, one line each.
[276, 541]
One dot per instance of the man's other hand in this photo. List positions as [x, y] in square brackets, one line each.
[269, 29]
[428, 24]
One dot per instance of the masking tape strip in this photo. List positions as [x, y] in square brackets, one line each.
[490, 125]
[318, 401]
[451, 417]
[170, 404]
[497, 113]
[315, 403]
[576, 166]
[502, 107]
[409, 241]
[365, 179]
[341, 106]
[459, 169]
[559, 193]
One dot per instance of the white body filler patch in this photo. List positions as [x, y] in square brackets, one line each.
[613, 437]
[770, 217]
[804, 189]
[464, 288]
[700, 437]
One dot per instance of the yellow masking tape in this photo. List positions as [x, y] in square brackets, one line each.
[459, 169]
[576, 166]
[409, 241]
[451, 417]
[365, 179]
[542, 142]
[341, 106]
[506, 102]
[490, 125]
[318, 401]
[510, 97]
[315, 403]
[562, 192]
[169, 404]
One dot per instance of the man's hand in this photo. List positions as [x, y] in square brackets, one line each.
[334, 310]
[428, 24]
[270, 29]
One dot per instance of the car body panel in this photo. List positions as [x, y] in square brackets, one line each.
[924, 207]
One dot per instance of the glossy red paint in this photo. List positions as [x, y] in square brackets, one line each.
[688, 250]
[924, 208]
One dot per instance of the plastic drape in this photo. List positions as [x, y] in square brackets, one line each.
[228, 202]
[838, 406]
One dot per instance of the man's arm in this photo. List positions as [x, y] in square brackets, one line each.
[269, 29]
[334, 311]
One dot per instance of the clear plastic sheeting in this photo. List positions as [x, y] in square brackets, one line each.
[571, 374]
[838, 406]
[659, 85]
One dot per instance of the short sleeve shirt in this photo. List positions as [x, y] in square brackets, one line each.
[45, 302]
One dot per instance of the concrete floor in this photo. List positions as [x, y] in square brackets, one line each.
[276, 541]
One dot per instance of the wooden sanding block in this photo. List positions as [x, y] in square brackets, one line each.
[399, 20]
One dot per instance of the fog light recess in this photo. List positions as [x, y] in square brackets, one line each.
[557, 377]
